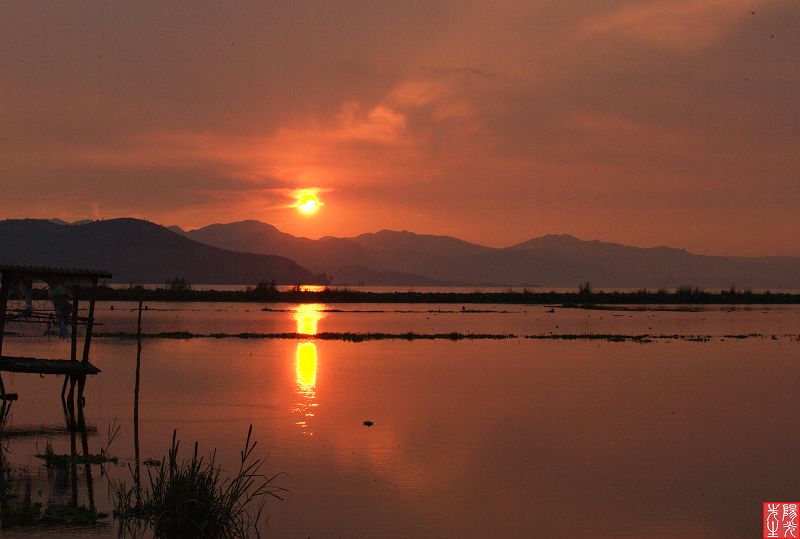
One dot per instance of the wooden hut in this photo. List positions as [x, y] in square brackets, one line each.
[65, 289]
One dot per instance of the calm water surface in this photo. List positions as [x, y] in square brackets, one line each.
[511, 438]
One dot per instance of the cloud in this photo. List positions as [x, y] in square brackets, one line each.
[680, 25]
[495, 121]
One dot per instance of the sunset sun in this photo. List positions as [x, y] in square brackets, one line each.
[308, 204]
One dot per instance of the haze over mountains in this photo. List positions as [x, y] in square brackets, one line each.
[248, 251]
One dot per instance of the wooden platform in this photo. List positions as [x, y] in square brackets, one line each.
[46, 366]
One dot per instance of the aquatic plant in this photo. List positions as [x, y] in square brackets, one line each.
[189, 498]
[615, 337]
[264, 290]
[178, 285]
[585, 289]
[63, 460]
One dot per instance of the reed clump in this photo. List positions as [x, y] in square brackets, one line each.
[189, 498]
[52, 459]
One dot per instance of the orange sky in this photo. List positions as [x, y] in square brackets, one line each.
[643, 122]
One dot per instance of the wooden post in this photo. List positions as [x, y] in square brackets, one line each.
[71, 394]
[137, 474]
[74, 344]
[73, 452]
[81, 386]
[3, 304]
[85, 450]
[64, 390]
[87, 340]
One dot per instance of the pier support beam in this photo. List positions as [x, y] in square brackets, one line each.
[3, 305]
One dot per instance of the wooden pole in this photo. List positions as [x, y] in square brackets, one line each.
[64, 389]
[137, 475]
[3, 304]
[74, 343]
[73, 451]
[81, 386]
[85, 449]
[87, 340]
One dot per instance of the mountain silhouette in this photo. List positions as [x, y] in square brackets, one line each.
[140, 252]
[551, 261]
[349, 261]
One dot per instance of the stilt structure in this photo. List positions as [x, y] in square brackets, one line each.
[65, 287]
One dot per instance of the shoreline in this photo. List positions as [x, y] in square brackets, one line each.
[593, 300]
[357, 337]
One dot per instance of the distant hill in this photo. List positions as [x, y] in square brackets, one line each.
[359, 275]
[140, 252]
[550, 261]
[63, 222]
[350, 261]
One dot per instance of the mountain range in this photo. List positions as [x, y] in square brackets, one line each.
[248, 251]
[552, 260]
[138, 251]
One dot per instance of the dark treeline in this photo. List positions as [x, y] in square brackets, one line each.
[586, 297]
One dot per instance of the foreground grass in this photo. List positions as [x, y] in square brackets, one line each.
[188, 498]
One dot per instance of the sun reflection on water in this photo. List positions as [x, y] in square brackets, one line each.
[307, 317]
[306, 366]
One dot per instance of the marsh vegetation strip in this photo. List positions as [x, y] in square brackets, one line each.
[452, 336]
[682, 296]
[646, 338]
[323, 336]
[463, 310]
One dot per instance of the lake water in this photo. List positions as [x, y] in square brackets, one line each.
[506, 438]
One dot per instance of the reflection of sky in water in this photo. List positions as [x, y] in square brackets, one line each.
[500, 452]
[307, 317]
